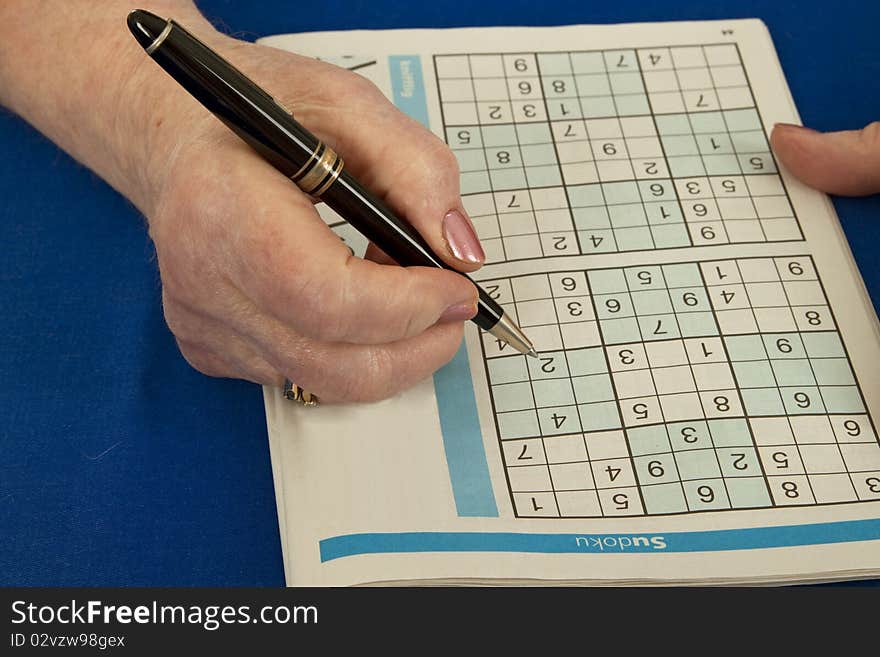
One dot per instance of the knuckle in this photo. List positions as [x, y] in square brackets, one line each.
[325, 313]
[199, 359]
[871, 136]
[441, 159]
[380, 376]
[176, 321]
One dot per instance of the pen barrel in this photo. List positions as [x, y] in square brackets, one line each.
[379, 224]
[236, 100]
[270, 129]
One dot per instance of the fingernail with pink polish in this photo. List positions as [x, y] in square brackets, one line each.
[459, 312]
[462, 239]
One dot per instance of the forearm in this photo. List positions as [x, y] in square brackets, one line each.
[72, 70]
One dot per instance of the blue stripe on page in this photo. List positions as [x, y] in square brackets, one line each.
[463, 440]
[702, 541]
[408, 86]
[453, 386]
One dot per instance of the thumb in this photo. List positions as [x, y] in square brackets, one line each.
[845, 163]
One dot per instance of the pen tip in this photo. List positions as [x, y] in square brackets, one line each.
[532, 353]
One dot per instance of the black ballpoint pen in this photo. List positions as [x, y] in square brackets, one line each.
[270, 129]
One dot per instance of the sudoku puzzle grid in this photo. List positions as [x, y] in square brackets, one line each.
[572, 153]
[676, 388]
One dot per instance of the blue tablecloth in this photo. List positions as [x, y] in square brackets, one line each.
[119, 465]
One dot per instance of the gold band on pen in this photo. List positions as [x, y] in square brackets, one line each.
[320, 171]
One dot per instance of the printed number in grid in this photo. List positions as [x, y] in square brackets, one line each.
[678, 388]
[626, 150]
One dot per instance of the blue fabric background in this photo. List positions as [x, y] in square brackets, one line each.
[119, 465]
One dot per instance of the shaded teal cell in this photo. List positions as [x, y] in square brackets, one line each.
[553, 392]
[693, 325]
[823, 344]
[673, 124]
[599, 417]
[559, 420]
[558, 86]
[470, 160]
[832, 371]
[585, 195]
[475, 182]
[521, 424]
[793, 372]
[842, 399]
[702, 122]
[598, 107]
[617, 61]
[784, 345]
[587, 361]
[656, 190]
[648, 277]
[618, 331]
[592, 84]
[626, 83]
[554, 63]
[742, 119]
[732, 432]
[607, 280]
[690, 299]
[714, 144]
[693, 434]
[756, 163]
[697, 464]
[499, 135]
[651, 302]
[686, 166]
[548, 365]
[684, 275]
[655, 469]
[597, 240]
[630, 214]
[648, 440]
[659, 327]
[633, 239]
[512, 397]
[587, 62]
[563, 109]
[592, 388]
[507, 370]
[533, 133]
[706, 494]
[670, 236]
[680, 145]
[751, 141]
[537, 154]
[745, 347]
[612, 306]
[721, 165]
[664, 498]
[739, 461]
[504, 158]
[802, 400]
[546, 176]
[591, 218]
[748, 493]
[507, 179]
[762, 401]
[621, 192]
[459, 138]
[632, 105]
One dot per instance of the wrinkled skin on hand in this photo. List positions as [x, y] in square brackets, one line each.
[255, 286]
